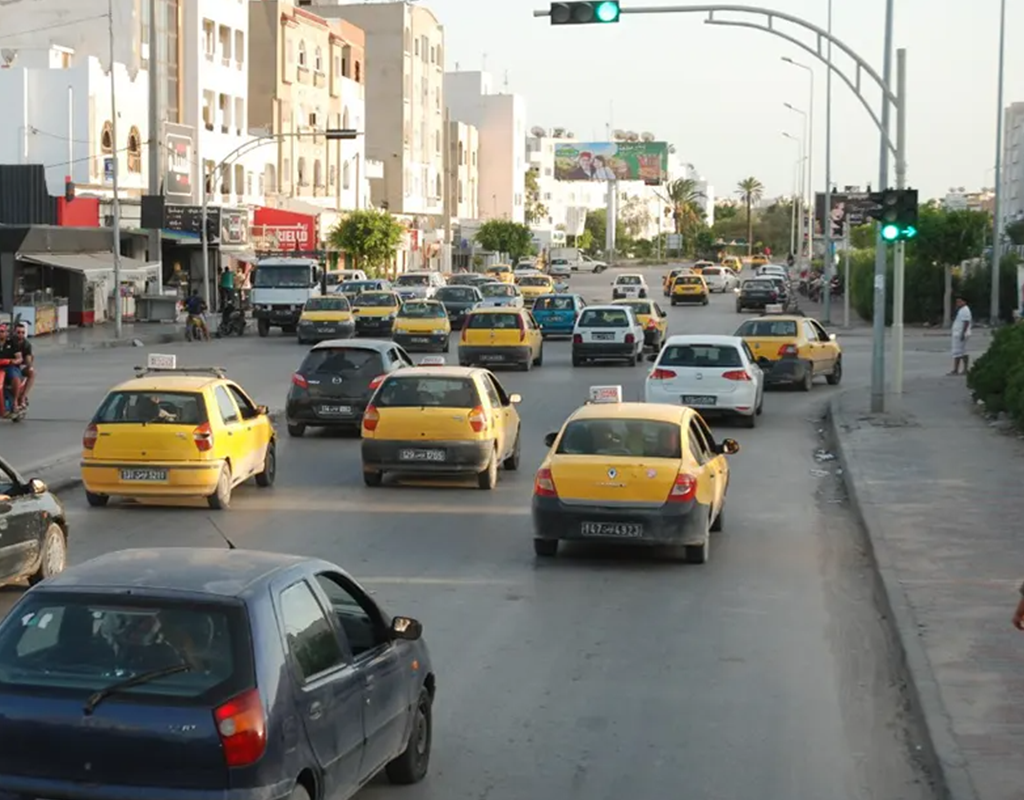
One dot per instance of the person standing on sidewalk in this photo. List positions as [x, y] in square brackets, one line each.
[227, 286]
[961, 333]
[1018, 615]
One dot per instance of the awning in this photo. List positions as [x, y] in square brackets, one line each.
[94, 266]
[181, 236]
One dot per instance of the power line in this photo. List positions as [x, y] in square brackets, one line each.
[50, 27]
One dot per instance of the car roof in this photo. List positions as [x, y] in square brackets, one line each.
[605, 307]
[384, 291]
[178, 382]
[380, 345]
[217, 571]
[658, 412]
[628, 301]
[630, 275]
[777, 318]
[422, 300]
[434, 372]
[498, 309]
[694, 338]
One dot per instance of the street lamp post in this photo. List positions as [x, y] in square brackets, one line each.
[115, 153]
[810, 148]
[803, 166]
[829, 260]
[997, 219]
[332, 134]
[808, 199]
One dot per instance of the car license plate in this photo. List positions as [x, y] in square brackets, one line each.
[324, 330]
[144, 475]
[603, 337]
[422, 455]
[699, 400]
[492, 357]
[619, 530]
[335, 411]
[419, 340]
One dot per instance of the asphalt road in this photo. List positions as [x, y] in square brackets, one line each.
[766, 673]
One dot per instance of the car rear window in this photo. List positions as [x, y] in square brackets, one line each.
[85, 642]
[700, 355]
[629, 280]
[347, 361]
[765, 285]
[501, 322]
[167, 408]
[456, 294]
[561, 262]
[355, 287]
[417, 392]
[413, 280]
[640, 308]
[468, 279]
[768, 328]
[498, 270]
[712, 270]
[496, 290]
[423, 310]
[639, 438]
[533, 280]
[604, 318]
[689, 280]
[378, 299]
[554, 304]
[334, 303]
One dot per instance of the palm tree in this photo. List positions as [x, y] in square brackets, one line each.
[751, 190]
[682, 197]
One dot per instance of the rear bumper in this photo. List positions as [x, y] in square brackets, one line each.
[682, 524]
[12, 786]
[321, 331]
[754, 302]
[461, 458]
[310, 411]
[741, 403]
[519, 354]
[278, 316]
[422, 341]
[618, 294]
[689, 298]
[603, 350]
[556, 326]
[785, 371]
[374, 326]
[184, 479]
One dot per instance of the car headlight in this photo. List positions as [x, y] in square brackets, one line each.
[389, 317]
[438, 331]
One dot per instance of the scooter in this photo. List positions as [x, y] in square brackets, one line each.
[194, 331]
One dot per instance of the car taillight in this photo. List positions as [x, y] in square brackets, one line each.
[300, 381]
[788, 350]
[630, 338]
[684, 489]
[377, 382]
[203, 437]
[477, 419]
[662, 375]
[242, 729]
[371, 417]
[577, 338]
[544, 484]
[736, 375]
[522, 330]
[90, 436]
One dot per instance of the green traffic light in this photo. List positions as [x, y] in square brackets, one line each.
[909, 232]
[890, 233]
[607, 12]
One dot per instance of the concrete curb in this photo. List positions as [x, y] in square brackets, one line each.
[944, 758]
[67, 474]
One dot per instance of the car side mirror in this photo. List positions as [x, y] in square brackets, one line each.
[36, 486]
[549, 439]
[831, 337]
[406, 628]
[652, 357]
[515, 399]
[729, 447]
[263, 411]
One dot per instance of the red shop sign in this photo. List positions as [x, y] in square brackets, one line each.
[276, 229]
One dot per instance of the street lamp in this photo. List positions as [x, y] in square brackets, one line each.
[809, 198]
[810, 154]
[803, 166]
[997, 217]
[331, 134]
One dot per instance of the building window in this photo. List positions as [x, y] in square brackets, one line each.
[239, 115]
[318, 60]
[224, 34]
[270, 178]
[239, 49]
[337, 66]
[318, 174]
[359, 72]
[209, 39]
[289, 49]
[462, 155]
[263, 184]
[302, 171]
[134, 150]
[107, 138]
[437, 141]
[332, 176]
[239, 182]
[440, 60]
[225, 180]
[437, 186]
[302, 55]
[474, 159]
[345, 179]
[432, 56]
[312, 119]
[417, 47]
[248, 183]
[460, 191]
[408, 40]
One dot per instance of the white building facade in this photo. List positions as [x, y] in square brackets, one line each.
[1013, 163]
[500, 120]
[464, 174]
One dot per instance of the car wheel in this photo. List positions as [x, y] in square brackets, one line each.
[488, 479]
[672, 301]
[263, 328]
[221, 497]
[639, 357]
[97, 500]
[739, 309]
[295, 429]
[808, 381]
[719, 523]
[412, 765]
[760, 404]
[512, 462]
[837, 373]
[749, 422]
[265, 478]
[54, 554]
[698, 553]
[300, 340]
[545, 548]
[527, 365]
[373, 477]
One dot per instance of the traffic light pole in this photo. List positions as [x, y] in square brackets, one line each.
[901, 183]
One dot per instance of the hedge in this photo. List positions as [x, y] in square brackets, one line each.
[997, 376]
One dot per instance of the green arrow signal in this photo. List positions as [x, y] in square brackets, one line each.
[909, 232]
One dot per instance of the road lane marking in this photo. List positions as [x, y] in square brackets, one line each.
[327, 505]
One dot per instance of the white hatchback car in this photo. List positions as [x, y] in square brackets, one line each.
[606, 333]
[714, 374]
[770, 270]
[720, 279]
[498, 295]
[629, 286]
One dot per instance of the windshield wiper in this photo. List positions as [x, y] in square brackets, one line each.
[128, 683]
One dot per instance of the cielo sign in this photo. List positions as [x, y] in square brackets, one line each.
[277, 229]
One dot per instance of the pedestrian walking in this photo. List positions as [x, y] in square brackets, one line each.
[227, 286]
[961, 333]
[1018, 615]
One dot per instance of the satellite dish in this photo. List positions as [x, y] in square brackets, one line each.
[632, 136]
[538, 131]
[558, 133]
[617, 135]
[8, 56]
[647, 136]
[570, 135]
[672, 148]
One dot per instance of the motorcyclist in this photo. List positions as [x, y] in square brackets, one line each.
[28, 359]
[195, 307]
[10, 366]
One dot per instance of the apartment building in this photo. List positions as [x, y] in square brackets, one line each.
[1013, 163]
[404, 100]
[959, 199]
[464, 174]
[500, 120]
[566, 201]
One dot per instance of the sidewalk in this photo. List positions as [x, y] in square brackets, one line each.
[102, 336]
[939, 490]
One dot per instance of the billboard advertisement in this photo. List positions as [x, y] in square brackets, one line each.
[848, 211]
[277, 230]
[610, 161]
[179, 164]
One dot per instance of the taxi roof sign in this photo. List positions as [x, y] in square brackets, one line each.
[161, 361]
[773, 308]
[433, 361]
[605, 394]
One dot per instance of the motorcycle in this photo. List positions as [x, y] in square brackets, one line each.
[195, 331]
[232, 322]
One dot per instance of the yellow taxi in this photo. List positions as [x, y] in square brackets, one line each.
[173, 432]
[759, 260]
[500, 272]
[698, 266]
[646, 474]
[439, 420]
[793, 350]
[422, 326]
[501, 336]
[651, 317]
[666, 285]
[375, 312]
[323, 318]
[534, 286]
[689, 289]
[733, 263]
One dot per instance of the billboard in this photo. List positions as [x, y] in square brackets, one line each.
[848, 211]
[274, 229]
[610, 161]
[179, 164]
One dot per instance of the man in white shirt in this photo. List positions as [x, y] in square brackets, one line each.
[961, 333]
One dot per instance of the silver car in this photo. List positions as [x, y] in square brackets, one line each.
[501, 295]
[560, 268]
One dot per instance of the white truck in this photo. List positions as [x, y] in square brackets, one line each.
[578, 260]
[280, 289]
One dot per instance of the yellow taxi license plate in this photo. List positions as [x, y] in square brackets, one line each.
[144, 475]
[617, 530]
[413, 454]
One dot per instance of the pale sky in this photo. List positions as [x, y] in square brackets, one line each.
[717, 93]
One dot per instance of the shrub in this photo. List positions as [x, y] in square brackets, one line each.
[997, 376]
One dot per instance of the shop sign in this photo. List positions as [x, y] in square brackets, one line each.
[234, 226]
[276, 229]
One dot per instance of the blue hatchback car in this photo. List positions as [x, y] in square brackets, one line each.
[557, 313]
[191, 674]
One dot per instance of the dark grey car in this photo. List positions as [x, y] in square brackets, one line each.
[756, 294]
[458, 301]
[33, 529]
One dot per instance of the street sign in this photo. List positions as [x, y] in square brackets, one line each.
[108, 170]
[675, 241]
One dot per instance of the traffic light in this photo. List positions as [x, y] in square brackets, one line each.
[599, 11]
[907, 213]
[896, 209]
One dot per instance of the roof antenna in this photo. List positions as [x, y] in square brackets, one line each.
[224, 536]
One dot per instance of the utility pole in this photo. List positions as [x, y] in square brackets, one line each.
[446, 162]
[115, 157]
[155, 134]
[826, 227]
[997, 233]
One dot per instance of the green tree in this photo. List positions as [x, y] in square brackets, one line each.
[596, 225]
[512, 239]
[535, 209]
[750, 190]
[371, 235]
[863, 237]
[683, 199]
[725, 211]
[1015, 232]
[947, 238]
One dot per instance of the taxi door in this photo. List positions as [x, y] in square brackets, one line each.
[533, 334]
[499, 413]
[817, 352]
[714, 471]
[661, 320]
[232, 441]
[258, 428]
[829, 349]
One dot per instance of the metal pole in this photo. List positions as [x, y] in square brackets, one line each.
[792, 215]
[115, 157]
[997, 220]
[846, 282]
[205, 189]
[810, 171]
[828, 260]
[901, 183]
[881, 250]
[155, 136]
[446, 248]
[609, 228]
